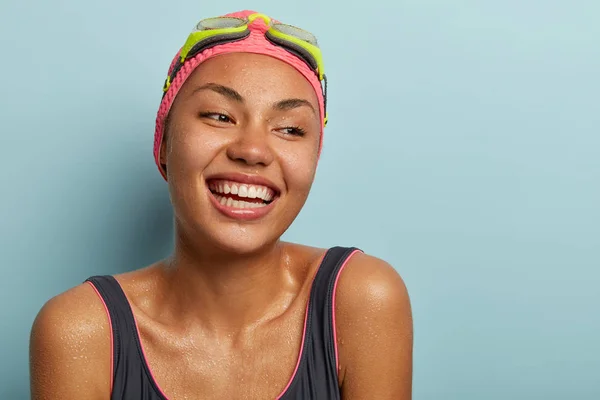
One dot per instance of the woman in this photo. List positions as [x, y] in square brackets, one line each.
[235, 313]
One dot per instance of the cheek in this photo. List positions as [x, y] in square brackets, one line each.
[191, 151]
[299, 169]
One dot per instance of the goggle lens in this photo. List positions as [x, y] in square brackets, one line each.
[297, 33]
[219, 23]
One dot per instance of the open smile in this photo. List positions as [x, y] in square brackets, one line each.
[242, 200]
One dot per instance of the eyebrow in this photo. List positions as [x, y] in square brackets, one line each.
[223, 90]
[283, 105]
[290, 104]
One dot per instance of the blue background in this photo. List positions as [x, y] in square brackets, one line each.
[463, 147]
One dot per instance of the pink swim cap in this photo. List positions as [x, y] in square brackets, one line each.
[255, 43]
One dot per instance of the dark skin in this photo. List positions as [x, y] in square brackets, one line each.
[229, 305]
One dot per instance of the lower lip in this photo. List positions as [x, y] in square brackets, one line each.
[244, 214]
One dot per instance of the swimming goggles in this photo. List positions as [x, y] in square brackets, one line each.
[211, 32]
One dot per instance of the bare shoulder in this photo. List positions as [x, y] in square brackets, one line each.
[369, 281]
[78, 309]
[375, 330]
[70, 347]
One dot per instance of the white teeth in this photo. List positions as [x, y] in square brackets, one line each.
[229, 202]
[242, 190]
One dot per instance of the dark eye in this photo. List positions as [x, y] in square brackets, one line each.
[216, 116]
[293, 130]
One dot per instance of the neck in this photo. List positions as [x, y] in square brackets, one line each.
[228, 292]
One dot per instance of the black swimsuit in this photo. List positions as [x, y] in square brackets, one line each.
[316, 373]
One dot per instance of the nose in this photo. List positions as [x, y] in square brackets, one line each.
[251, 147]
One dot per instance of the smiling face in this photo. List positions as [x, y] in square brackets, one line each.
[241, 151]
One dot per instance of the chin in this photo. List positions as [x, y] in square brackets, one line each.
[245, 246]
[230, 237]
[233, 218]
[245, 239]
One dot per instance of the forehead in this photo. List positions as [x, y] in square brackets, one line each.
[253, 75]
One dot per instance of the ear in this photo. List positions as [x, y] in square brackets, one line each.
[163, 151]
[162, 156]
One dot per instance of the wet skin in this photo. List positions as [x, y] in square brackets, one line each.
[223, 316]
